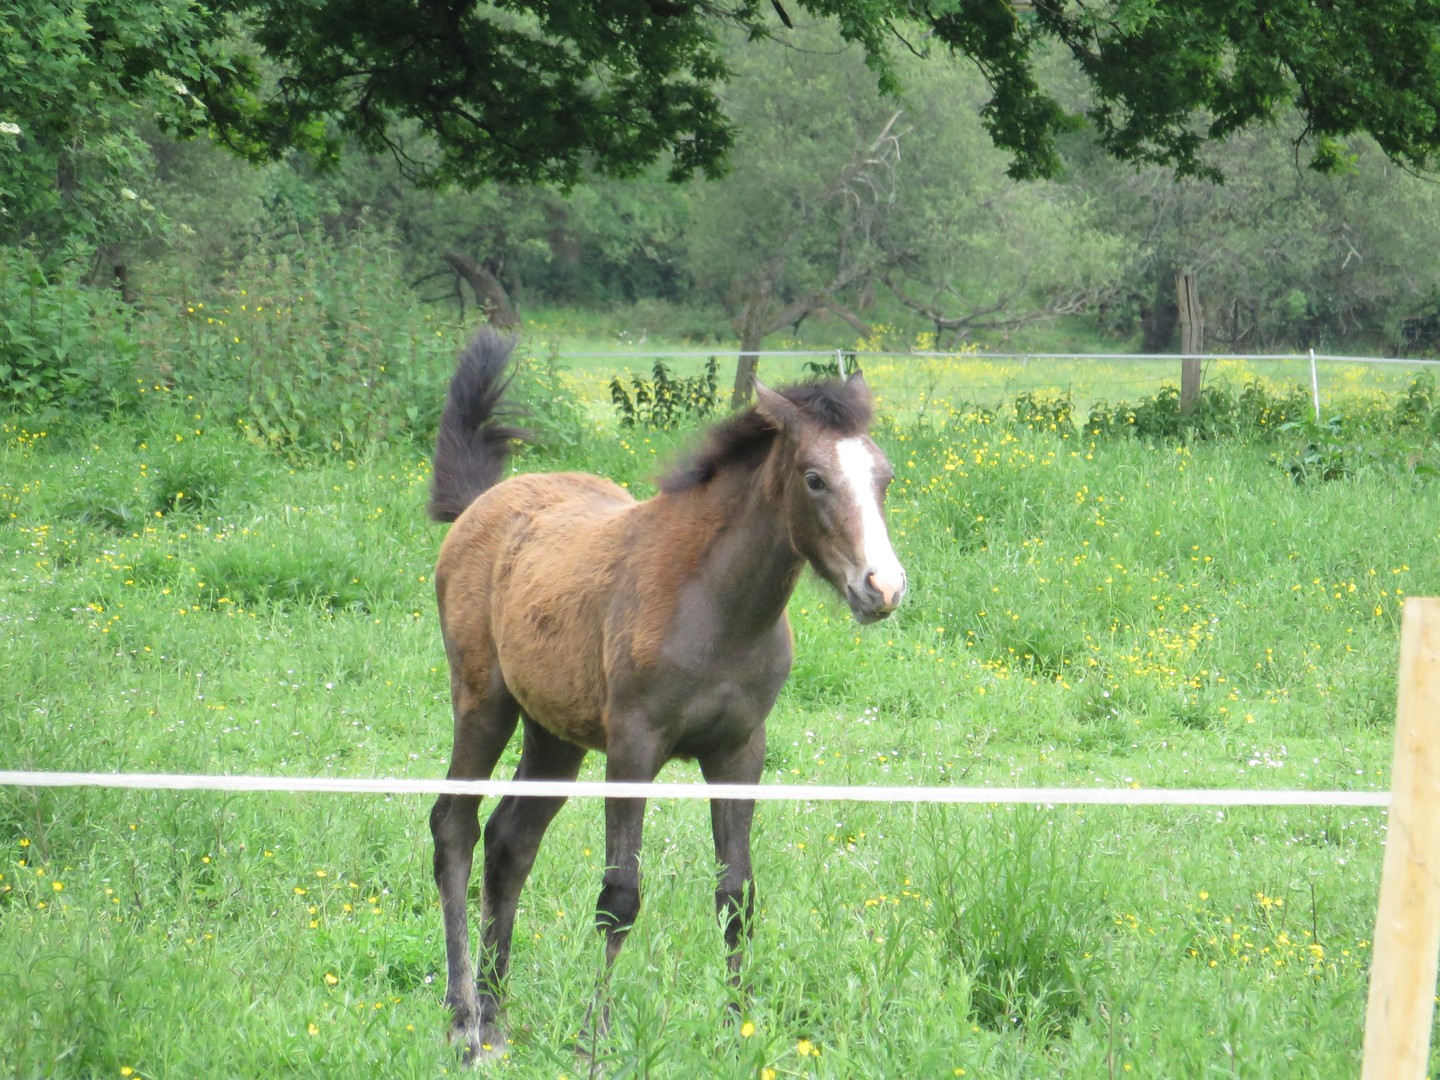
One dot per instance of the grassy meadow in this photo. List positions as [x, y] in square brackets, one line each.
[1087, 610]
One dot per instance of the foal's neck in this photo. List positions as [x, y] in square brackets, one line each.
[750, 566]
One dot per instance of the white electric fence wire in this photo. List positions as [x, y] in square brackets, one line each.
[1044, 796]
[860, 355]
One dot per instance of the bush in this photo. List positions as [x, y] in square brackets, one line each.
[1363, 434]
[1419, 407]
[1220, 412]
[1040, 412]
[664, 401]
[550, 412]
[309, 345]
[312, 344]
[65, 347]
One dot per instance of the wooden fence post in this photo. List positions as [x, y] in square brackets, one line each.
[1192, 339]
[1407, 926]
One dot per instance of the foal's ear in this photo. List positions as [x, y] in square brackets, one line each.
[779, 412]
[856, 384]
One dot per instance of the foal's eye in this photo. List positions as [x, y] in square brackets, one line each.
[814, 481]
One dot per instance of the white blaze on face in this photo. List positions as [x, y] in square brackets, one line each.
[857, 472]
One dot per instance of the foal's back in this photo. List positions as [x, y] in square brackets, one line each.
[525, 582]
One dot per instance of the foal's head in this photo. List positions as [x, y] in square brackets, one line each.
[829, 479]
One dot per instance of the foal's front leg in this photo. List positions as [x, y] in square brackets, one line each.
[619, 903]
[730, 823]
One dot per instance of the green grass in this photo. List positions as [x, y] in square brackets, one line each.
[1084, 612]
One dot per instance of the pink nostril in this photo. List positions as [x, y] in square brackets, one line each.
[889, 592]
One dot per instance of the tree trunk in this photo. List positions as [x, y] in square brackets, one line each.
[1192, 328]
[752, 335]
[489, 293]
[754, 323]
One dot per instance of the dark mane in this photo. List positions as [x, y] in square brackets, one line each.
[744, 439]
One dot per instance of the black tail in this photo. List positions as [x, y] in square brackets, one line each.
[472, 447]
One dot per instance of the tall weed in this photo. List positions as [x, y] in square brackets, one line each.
[313, 344]
[1253, 411]
[1017, 906]
[665, 401]
[65, 347]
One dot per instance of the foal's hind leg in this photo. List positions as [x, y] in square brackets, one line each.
[512, 838]
[483, 725]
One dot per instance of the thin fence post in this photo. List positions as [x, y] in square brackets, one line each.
[840, 362]
[1192, 340]
[1401, 1007]
[1315, 385]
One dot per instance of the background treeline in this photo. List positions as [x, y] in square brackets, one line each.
[844, 214]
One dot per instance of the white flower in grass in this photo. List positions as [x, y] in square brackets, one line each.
[7, 128]
[126, 193]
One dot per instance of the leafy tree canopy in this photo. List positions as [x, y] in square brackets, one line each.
[532, 91]
[527, 90]
[78, 82]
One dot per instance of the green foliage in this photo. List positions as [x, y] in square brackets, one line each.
[663, 401]
[307, 343]
[1209, 72]
[1252, 412]
[1157, 416]
[1021, 932]
[80, 83]
[836, 190]
[1234, 85]
[551, 413]
[196, 473]
[64, 347]
[1041, 412]
[1340, 449]
[824, 205]
[1325, 453]
[1364, 436]
[311, 344]
[609, 241]
[1419, 406]
[534, 112]
[821, 369]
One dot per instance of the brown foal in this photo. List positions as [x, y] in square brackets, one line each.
[646, 630]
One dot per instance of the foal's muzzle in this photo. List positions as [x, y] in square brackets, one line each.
[875, 597]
